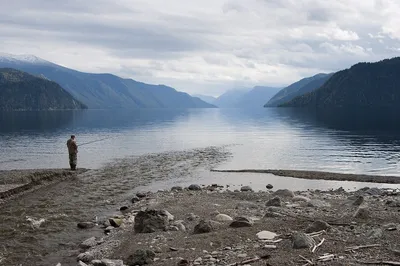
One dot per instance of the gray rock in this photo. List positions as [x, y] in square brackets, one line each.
[179, 224]
[150, 221]
[141, 257]
[276, 201]
[269, 186]
[391, 227]
[124, 208]
[374, 191]
[169, 215]
[116, 222]
[362, 213]
[375, 233]
[194, 187]
[284, 193]
[135, 199]
[109, 229]
[183, 262]
[192, 217]
[141, 194]
[392, 203]
[300, 198]
[246, 189]
[204, 226]
[270, 214]
[301, 240]
[358, 201]
[223, 217]
[88, 243]
[85, 225]
[318, 203]
[241, 222]
[85, 257]
[317, 226]
[177, 188]
[81, 263]
[107, 262]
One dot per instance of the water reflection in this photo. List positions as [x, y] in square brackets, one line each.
[262, 137]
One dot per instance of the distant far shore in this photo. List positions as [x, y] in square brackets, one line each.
[317, 175]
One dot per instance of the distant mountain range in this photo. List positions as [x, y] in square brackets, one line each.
[364, 86]
[245, 98]
[205, 98]
[99, 91]
[22, 91]
[298, 88]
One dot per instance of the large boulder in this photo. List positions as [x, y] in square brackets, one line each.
[204, 226]
[150, 221]
[141, 257]
[241, 222]
[276, 201]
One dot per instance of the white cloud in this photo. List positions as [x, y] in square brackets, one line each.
[203, 46]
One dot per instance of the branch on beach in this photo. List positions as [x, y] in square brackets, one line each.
[382, 262]
[361, 247]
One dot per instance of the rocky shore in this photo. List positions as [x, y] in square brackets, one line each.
[194, 225]
[211, 225]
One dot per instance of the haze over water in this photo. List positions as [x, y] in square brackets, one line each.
[264, 138]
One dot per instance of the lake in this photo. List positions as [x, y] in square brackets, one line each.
[274, 138]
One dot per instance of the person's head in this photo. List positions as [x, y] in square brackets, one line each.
[72, 136]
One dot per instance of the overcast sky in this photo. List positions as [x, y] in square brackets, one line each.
[203, 46]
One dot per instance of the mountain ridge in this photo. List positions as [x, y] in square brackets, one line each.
[22, 91]
[365, 85]
[104, 90]
[298, 88]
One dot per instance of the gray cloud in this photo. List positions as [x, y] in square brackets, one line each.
[203, 46]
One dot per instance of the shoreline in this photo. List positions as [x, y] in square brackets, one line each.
[95, 191]
[319, 175]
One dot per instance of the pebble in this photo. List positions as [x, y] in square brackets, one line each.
[300, 198]
[317, 226]
[88, 243]
[266, 235]
[301, 240]
[269, 186]
[85, 225]
[194, 187]
[246, 189]
[141, 194]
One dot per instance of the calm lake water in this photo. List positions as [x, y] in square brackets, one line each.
[261, 138]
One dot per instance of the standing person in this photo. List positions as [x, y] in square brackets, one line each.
[73, 152]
